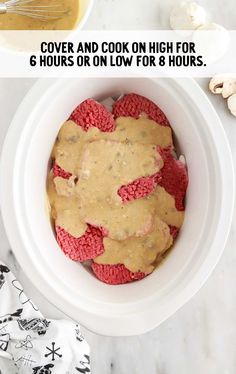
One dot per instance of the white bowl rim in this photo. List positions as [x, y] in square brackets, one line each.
[70, 34]
[52, 293]
[85, 16]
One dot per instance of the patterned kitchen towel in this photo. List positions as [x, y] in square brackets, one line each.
[31, 344]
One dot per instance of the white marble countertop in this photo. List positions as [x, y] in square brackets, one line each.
[201, 337]
[153, 14]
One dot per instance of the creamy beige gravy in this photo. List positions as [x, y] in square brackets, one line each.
[68, 149]
[119, 164]
[66, 22]
[100, 164]
[64, 210]
[143, 131]
[138, 254]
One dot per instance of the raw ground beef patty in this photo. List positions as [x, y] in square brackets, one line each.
[172, 177]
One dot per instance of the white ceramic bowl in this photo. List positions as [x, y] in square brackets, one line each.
[10, 42]
[85, 7]
[138, 307]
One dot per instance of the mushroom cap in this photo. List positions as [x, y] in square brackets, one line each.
[229, 88]
[224, 84]
[187, 16]
[231, 102]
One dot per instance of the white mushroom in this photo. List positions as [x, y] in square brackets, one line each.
[187, 16]
[229, 88]
[211, 42]
[231, 102]
[223, 84]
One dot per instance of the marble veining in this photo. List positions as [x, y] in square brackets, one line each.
[201, 337]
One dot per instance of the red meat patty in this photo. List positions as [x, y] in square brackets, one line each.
[133, 105]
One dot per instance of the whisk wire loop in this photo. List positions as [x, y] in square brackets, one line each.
[29, 9]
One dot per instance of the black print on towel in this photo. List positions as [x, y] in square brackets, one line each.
[54, 352]
[84, 365]
[4, 341]
[3, 270]
[43, 369]
[25, 343]
[78, 334]
[22, 296]
[37, 325]
[10, 317]
[25, 360]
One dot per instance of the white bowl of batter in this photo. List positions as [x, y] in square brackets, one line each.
[140, 306]
[75, 14]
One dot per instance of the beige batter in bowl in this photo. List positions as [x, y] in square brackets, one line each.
[75, 13]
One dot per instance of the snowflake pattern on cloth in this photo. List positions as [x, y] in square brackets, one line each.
[31, 344]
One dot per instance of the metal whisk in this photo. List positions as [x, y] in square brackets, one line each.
[27, 8]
